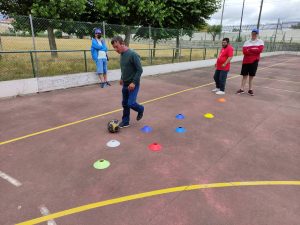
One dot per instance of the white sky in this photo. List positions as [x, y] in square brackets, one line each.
[285, 10]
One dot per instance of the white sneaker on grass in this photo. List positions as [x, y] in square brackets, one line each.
[220, 93]
[215, 90]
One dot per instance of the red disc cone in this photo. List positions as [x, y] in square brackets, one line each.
[155, 147]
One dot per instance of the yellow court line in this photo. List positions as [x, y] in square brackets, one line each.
[58, 127]
[153, 193]
[100, 115]
[118, 110]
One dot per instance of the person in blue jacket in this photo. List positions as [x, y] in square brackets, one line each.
[99, 55]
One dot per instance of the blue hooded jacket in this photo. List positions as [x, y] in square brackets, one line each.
[96, 47]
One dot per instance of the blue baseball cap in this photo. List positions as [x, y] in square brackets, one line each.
[255, 30]
[98, 31]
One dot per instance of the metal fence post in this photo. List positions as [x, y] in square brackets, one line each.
[33, 43]
[85, 62]
[103, 26]
[150, 51]
[32, 64]
[180, 44]
[173, 56]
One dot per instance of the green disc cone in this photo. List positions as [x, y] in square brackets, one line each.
[101, 164]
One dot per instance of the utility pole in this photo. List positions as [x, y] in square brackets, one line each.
[34, 47]
[222, 19]
[274, 44]
[239, 38]
[261, 5]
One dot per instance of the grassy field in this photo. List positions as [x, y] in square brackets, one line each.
[19, 65]
[14, 43]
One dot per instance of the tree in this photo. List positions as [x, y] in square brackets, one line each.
[155, 33]
[214, 30]
[52, 10]
[131, 13]
[57, 9]
[16, 7]
[91, 13]
[180, 15]
[297, 26]
[80, 29]
[189, 15]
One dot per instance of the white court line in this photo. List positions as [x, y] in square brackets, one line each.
[45, 212]
[278, 89]
[285, 74]
[289, 81]
[10, 179]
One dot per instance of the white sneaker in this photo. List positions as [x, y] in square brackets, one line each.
[215, 90]
[220, 93]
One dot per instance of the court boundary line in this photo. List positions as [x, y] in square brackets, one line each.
[120, 109]
[279, 80]
[10, 179]
[277, 89]
[154, 193]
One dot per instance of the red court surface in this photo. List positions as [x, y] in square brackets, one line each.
[49, 142]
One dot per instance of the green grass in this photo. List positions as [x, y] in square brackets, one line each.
[19, 66]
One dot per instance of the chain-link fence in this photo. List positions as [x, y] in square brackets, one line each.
[36, 47]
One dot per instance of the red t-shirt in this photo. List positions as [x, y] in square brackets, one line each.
[224, 55]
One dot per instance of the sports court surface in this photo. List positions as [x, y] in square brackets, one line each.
[240, 167]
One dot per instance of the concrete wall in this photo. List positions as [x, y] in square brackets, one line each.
[35, 85]
[18, 87]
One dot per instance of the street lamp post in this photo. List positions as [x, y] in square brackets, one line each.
[261, 5]
[239, 38]
[222, 18]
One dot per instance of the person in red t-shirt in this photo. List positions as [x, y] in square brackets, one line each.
[222, 67]
[251, 50]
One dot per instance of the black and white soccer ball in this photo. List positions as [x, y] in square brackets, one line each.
[113, 126]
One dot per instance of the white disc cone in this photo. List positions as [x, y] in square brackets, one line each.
[113, 143]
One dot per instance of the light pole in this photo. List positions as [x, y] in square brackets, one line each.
[222, 18]
[261, 5]
[239, 38]
[222, 12]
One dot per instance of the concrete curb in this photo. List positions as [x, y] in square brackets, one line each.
[35, 85]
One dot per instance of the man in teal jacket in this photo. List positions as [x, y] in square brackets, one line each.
[131, 71]
[99, 55]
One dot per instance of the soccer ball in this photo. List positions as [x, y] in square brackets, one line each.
[113, 126]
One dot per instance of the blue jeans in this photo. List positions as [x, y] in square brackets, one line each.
[129, 102]
[220, 79]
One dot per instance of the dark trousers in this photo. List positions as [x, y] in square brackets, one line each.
[129, 102]
[220, 79]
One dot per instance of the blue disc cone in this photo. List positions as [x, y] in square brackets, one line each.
[146, 129]
[180, 116]
[180, 130]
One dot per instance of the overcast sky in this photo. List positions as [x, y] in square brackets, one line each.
[286, 10]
